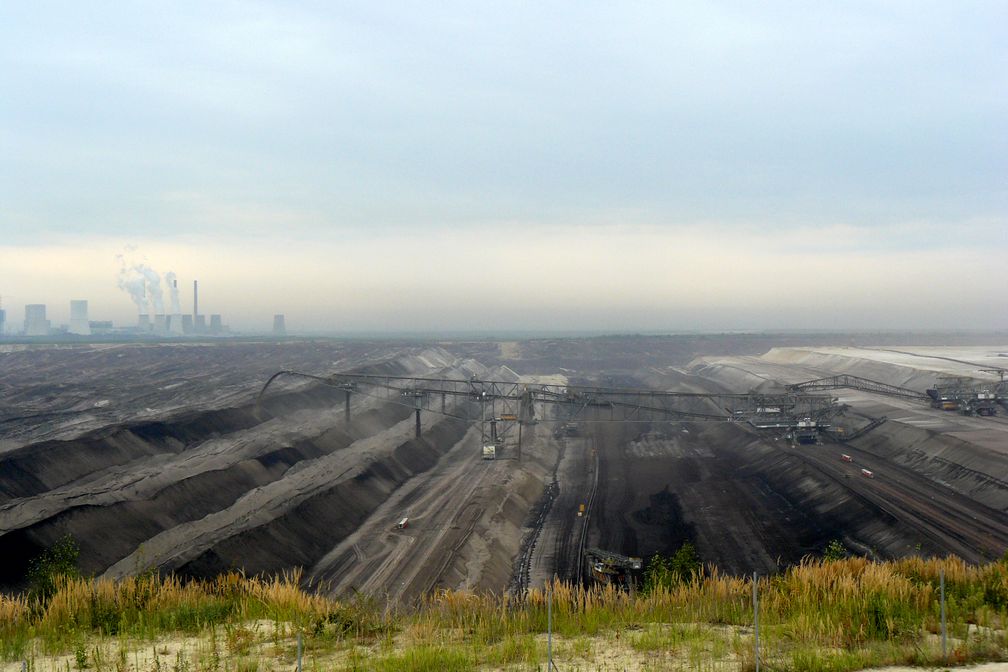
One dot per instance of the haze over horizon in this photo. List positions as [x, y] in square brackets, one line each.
[547, 167]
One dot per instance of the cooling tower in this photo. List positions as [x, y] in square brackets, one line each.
[187, 324]
[279, 326]
[36, 323]
[215, 324]
[143, 323]
[175, 325]
[160, 324]
[79, 318]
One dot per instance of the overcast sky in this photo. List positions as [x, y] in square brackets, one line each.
[511, 166]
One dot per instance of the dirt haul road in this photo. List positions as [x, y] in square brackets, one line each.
[462, 515]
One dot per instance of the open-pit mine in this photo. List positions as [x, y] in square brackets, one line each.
[395, 468]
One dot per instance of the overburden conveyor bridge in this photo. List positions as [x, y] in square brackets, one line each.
[502, 406]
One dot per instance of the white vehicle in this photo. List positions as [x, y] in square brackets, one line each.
[403, 523]
[489, 452]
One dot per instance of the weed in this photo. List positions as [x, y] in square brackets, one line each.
[239, 640]
[832, 615]
[80, 655]
[121, 661]
[423, 659]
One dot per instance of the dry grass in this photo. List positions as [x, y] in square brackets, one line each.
[818, 615]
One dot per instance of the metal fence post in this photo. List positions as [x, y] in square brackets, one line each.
[755, 607]
[549, 626]
[941, 580]
[299, 653]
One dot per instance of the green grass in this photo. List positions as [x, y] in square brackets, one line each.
[418, 659]
[515, 649]
[660, 637]
[833, 616]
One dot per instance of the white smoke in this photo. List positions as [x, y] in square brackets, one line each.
[153, 282]
[143, 284]
[133, 283]
[172, 281]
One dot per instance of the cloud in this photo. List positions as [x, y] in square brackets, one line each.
[651, 164]
[421, 116]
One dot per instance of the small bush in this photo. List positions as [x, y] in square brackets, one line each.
[45, 570]
[835, 550]
[668, 572]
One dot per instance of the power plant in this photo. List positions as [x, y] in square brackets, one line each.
[158, 316]
[79, 318]
[36, 323]
[146, 293]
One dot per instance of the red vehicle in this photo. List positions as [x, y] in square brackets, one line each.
[867, 474]
[846, 458]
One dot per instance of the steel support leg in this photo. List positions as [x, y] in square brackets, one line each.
[418, 423]
[346, 408]
[520, 423]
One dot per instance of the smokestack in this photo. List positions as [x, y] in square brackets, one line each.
[195, 300]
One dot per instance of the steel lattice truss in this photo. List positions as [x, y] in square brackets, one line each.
[504, 404]
[856, 383]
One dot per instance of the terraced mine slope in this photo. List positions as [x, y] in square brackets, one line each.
[157, 456]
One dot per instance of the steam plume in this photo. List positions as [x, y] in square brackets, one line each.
[143, 284]
[153, 282]
[170, 278]
[133, 284]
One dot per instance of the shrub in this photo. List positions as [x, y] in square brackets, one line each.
[835, 550]
[681, 567]
[46, 569]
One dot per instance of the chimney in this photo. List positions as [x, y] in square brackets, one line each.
[195, 299]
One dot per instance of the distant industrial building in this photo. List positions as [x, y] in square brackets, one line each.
[200, 326]
[101, 327]
[187, 324]
[216, 326]
[79, 318]
[36, 323]
[144, 323]
[3, 321]
[279, 326]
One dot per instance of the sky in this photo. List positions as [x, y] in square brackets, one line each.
[637, 166]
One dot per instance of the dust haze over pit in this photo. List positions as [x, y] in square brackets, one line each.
[557, 166]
